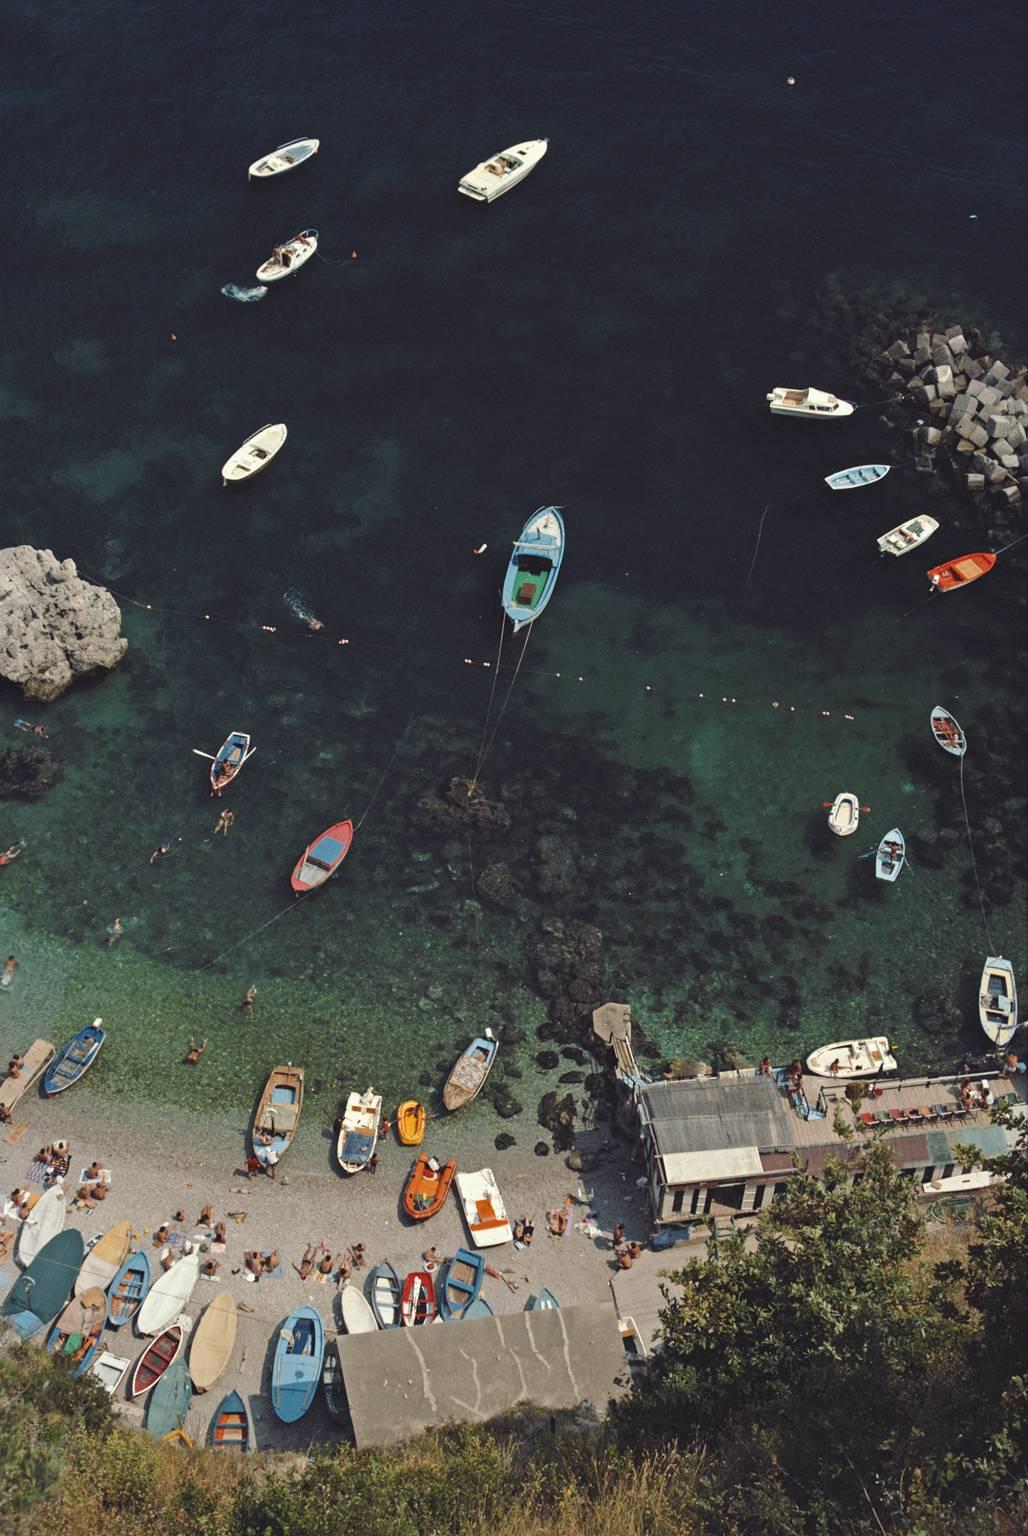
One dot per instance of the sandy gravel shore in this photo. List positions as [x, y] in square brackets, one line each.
[163, 1162]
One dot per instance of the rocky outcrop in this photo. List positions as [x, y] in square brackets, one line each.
[54, 627]
[460, 804]
[28, 771]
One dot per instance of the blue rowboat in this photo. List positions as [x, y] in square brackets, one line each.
[77, 1331]
[534, 566]
[231, 1426]
[462, 1284]
[478, 1308]
[385, 1290]
[74, 1059]
[38, 1294]
[229, 758]
[169, 1401]
[128, 1289]
[297, 1367]
[544, 1302]
[860, 474]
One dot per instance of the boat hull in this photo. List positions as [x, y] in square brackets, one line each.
[169, 1402]
[997, 1001]
[320, 859]
[358, 1134]
[854, 1058]
[301, 248]
[411, 1119]
[232, 1427]
[278, 1113]
[534, 566]
[907, 536]
[37, 1296]
[228, 760]
[417, 1303]
[491, 178]
[386, 1295]
[860, 475]
[255, 454]
[104, 1260]
[891, 855]
[297, 1366]
[358, 1313]
[427, 1188]
[44, 1221]
[168, 1295]
[461, 1285]
[947, 732]
[484, 1211]
[469, 1072]
[961, 571]
[844, 816]
[74, 1059]
[157, 1358]
[283, 159]
[128, 1290]
[213, 1342]
[543, 1301]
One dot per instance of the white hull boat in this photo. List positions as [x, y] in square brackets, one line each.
[853, 479]
[492, 178]
[484, 1210]
[168, 1295]
[105, 1258]
[255, 454]
[997, 1001]
[109, 1370]
[891, 855]
[288, 258]
[43, 1222]
[358, 1133]
[844, 815]
[907, 536]
[852, 1058]
[813, 403]
[947, 732]
[285, 158]
[356, 1309]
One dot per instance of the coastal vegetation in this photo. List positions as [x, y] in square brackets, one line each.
[850, 1369]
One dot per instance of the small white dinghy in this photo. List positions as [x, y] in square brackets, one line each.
[808, 402]
[907, 536]
[356, 1309]
[891, 855]
[852, 1058]
[997, 1001]
[288, 258]
[484, 1210]
[860, 474]
[255, 454]
[490, 179]
[844, 814]
[285, 158]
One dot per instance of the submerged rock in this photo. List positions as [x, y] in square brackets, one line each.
[54, 627]
[28, 771]
[503, 1141]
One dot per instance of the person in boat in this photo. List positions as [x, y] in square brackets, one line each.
[834, 1068]
[765, 1066]
[306, 1264]
[194, 1052]
[10, 854]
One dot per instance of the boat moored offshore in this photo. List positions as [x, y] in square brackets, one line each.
[491, 178]
[813, 403]
[285, 158]
[853, 479]
[907, 536]
[997, 1000]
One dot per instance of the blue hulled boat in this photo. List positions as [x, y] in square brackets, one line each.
[169, 1401]
[74, 1059]
[37, 1296]
[127, 1290]
[478, 1308]
[462, 1284]
[231, 1426]
[297, 1368]
[534, 565]
[545, 1301]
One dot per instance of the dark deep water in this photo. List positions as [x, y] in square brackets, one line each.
[602, 338]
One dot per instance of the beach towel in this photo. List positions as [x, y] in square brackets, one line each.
[273, 1274]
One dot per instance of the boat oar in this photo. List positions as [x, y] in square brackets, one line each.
[206, 754]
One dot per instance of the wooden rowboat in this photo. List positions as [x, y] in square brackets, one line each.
[128, 1288]
[891, 855]
[158, 1357]
[427, 1187]
[288, 257]
[386, 1295]
[997, 1000]
[417, 1303]
[231, 1426]
[961, 571]
[462, 1284]
[469, 1072]
[947, 732]
[109, 1370]
[228, 760]
[255, 454]
[285, 158]
[297, 1366]
[213, 1342]
[358, 1133]
[74, 1059]
[853, 479]
[411, 1120]
[320, 859]
[278, 1113]
[169, 1403]
[105, 1258]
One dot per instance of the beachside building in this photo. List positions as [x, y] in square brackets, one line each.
[727, 1145]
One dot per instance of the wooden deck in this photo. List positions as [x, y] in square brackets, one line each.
[37, 1058]
[912, 1104]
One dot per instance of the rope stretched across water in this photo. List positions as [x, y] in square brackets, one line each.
[489, 707]
[506, 700]
[974, 863]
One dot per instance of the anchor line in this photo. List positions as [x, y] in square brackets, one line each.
[974, 862]
[771, 506]
[384, 773]
[870, 405]
[489, 706]
[1011, 544]
[503, 706]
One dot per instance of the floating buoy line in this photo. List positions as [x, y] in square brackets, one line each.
[495, 665]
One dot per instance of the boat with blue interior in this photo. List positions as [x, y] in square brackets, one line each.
[74, 1059]
[534, 566]
[296, 1370]
[278, 1113]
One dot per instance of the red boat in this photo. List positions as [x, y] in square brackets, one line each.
[958, 572]
[417, 1303]
[323, 857]
[153, 1362]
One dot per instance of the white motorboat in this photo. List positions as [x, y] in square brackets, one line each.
[255, 454]
[808, 402]
[492, 178]
[168, 1295]
[891, 855]
[860, 474]
[43, 1222]
[484, 1210]
[844, 814]
[997, 1000]
[289, 257]
[285, 158]
[907, 536]
[947, 732]
[358, 1133]
[358, 1316]
[852, 1058]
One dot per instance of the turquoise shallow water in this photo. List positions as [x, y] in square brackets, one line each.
[602, 339]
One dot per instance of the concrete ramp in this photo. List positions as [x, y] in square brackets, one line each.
[402, 1381]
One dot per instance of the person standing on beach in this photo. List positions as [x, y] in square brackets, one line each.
[9, 968]
[270, 1162]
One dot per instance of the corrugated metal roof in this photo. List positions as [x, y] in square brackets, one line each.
[704, 1114]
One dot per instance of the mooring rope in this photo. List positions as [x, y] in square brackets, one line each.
[489, 706]
[974, 862]
[503, 706]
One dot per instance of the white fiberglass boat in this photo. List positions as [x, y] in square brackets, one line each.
[808, 402]
[168, 1295]
[285, 158]
[907, 535]
[844, 814]
[997, 1001]
[891, 855]
[484, 1211]
[43, 1222]
[255, 454]
[492, 178]
[358, 1133]
[852, 1058]
[289, 257]
[860, 474]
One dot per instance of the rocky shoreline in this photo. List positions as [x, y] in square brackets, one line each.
[54, 626]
